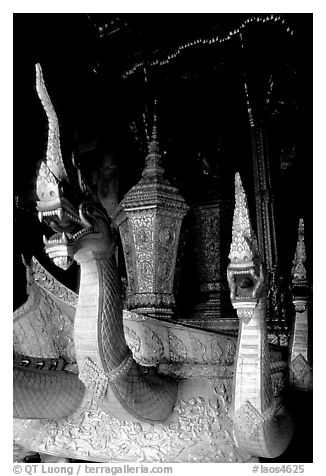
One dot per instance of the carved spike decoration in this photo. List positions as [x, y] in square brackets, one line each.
[245, 271]
[260, 427]
[52, 170]
[298, 270]
[244, 242]
[300, 369]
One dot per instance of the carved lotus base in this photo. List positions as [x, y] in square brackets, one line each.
[152, 303]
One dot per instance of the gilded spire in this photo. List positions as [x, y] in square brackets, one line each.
[52, 169]
[244, 242]
[154, 158]
[298, 269]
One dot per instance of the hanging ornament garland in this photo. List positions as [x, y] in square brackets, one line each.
[210, 41]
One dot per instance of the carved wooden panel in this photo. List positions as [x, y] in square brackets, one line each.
[199, 430]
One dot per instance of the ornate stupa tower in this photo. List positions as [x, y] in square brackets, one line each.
[299, 358]
[149, 219]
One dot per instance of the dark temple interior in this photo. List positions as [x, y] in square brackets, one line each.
[218, 79]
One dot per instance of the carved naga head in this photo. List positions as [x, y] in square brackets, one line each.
[65, 203]
[245, 272]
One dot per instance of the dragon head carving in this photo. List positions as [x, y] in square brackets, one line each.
[245, 272]
[65, 202]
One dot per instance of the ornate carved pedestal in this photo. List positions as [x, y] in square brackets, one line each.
[199, 430]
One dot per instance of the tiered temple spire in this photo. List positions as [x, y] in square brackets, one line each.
[299, 361]
[154, 158]
[299, 273]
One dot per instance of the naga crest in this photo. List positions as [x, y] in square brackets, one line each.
[65, 202]
[299, 274]
[245, 272]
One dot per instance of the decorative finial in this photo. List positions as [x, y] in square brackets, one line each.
[154, 130]
[154, 157]
[244, 242]
[298, 270]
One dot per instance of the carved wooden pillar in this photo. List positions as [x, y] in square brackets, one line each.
[262, 177]
[211, 221]
[263, 194]
[213, 309]
[264, 200]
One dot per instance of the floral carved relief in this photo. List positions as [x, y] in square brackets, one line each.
[45, 332]
[128, 255]
[167, 254]
[47, 282]
[178, 351]
[142, 227]
[148, 350]
[198, 431]
[210, 352]
[230, 353]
